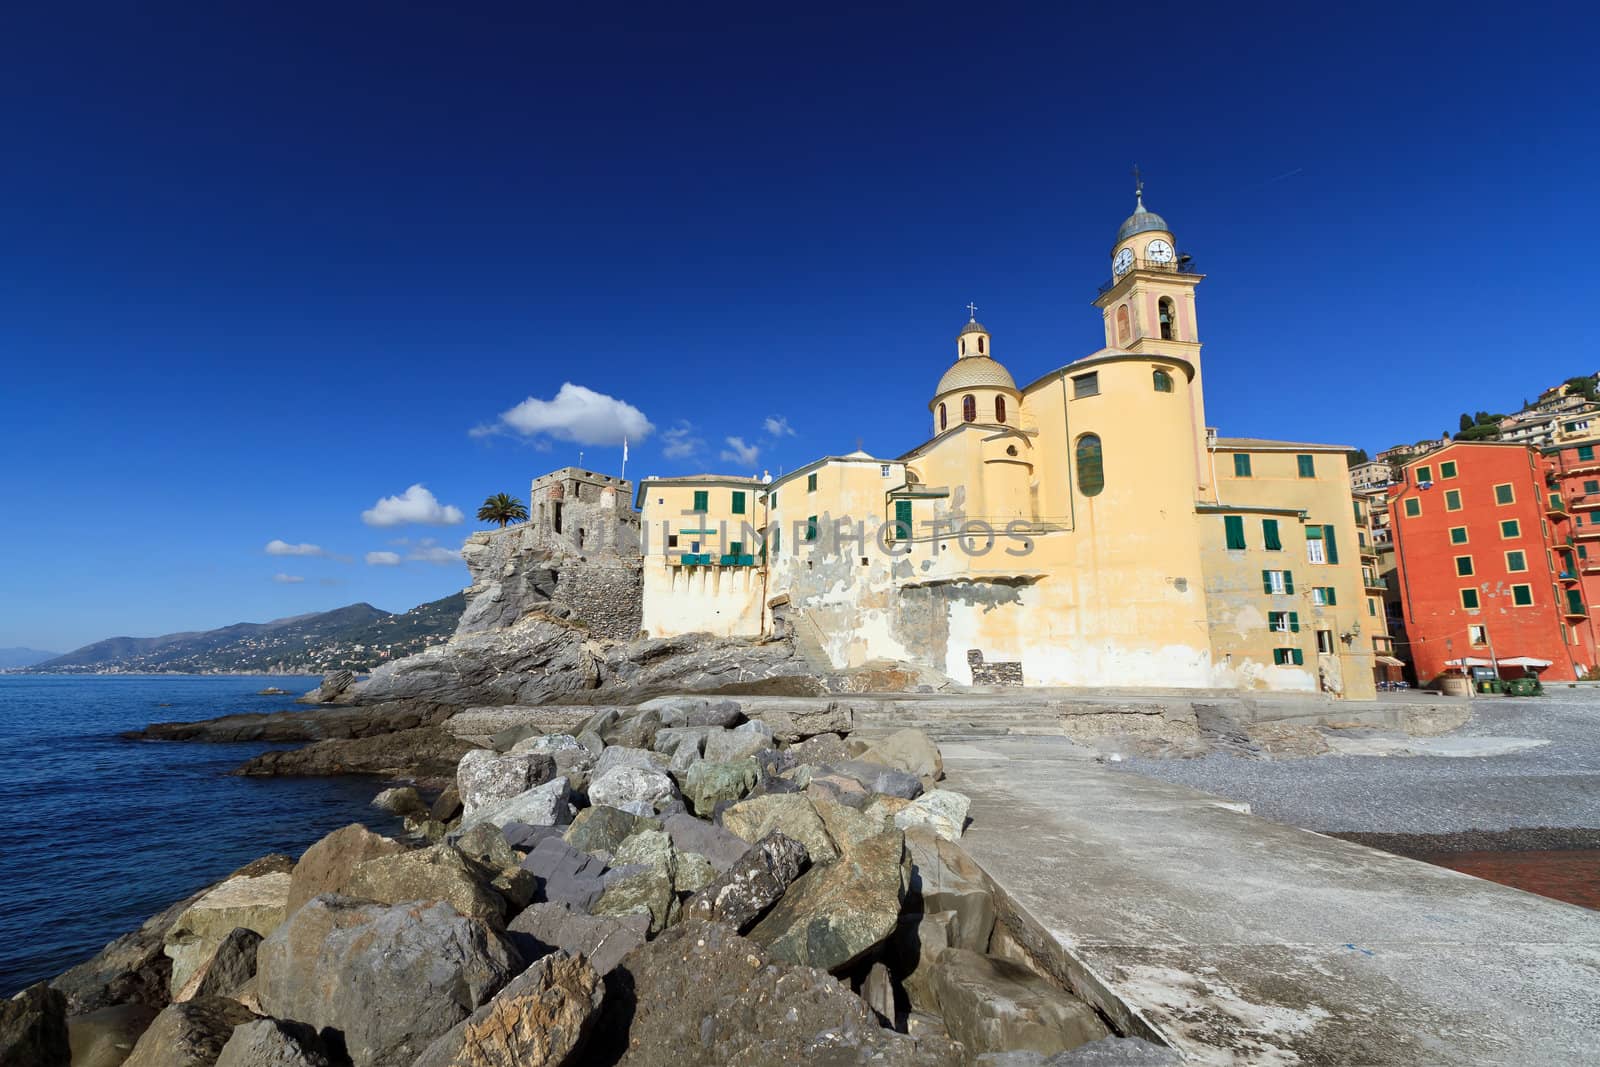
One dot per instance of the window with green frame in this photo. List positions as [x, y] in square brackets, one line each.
[1372, 606]
[1269, 536]
[1591, 487]
[738, 502]
[1330, 544]
[1469, 599]
[1510, 528]
[1504, 494]
[1233, 530]
[1413, 507]
[811, 527]
[1516, 561]
[1324, 596]
[1424, 474]
[1284, 621]
[1458, 535]
[1285, 656]
[1522, 595]
[1091, 465]
[1452, 500]
[702, 500]
[811, 482]
[902, 520]
[1586, 452]
[1464, 566]
[1447, 469]
[1307, 466]
[1241, 464]
[1574, 602]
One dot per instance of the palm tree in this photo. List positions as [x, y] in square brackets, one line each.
[502, 509]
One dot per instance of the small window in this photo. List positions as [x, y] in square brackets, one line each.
[1314, 549]
[1324, 596]
[1590, 488]
[1269, 536]
[1325, 642]
[1469, 599]
[1091, 465]
[1241, 465]
[1504, 494]
[1458, 535]
[1233, 529]
[1086, 385]
[1464, 566]
[1162, 381]
[702, 498]
[1424, 475]
[811, 483]
[943, 416]
[1516, 561]
[672, 540]
[1447, 469]
[969, 408]
[902, 520]
[980, 345]
[1277, 583]
[999, 409]
[1452, 500]
[1522, 595]
[1307, 466]
[811, 527]
[1510, 528]
[1586, 452]
[883, 470]
[1285, 656]
[1169, 320]
[1413, 507]
[1478, 635]
[738, 504]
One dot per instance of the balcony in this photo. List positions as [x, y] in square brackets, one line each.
[1182, 265]
[1589, 566]
[711, 559]
[1567, 576]
[1586, 533]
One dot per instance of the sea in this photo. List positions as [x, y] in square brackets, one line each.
[100, 833]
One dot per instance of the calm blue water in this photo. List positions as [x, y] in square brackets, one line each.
[100, 833]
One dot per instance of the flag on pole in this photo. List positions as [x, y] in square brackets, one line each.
[624, 450]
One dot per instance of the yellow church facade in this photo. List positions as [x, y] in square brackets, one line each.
[1082, 529]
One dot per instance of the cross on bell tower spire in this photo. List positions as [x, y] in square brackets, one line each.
[972, 312]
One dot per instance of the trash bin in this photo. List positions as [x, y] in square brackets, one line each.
[1524, 687]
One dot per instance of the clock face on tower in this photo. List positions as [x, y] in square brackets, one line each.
[1158, 251]
[1123, 261]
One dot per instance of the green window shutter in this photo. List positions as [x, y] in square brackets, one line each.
[1269, 534]
[1277, 656]
[902, 519]
[1332, 600]
[1266, 581]
[738, 503]
[1288, 581]
[702, 500]
[1294, 622]
[811, 483]
[1372, 607]
[1308, 466]
[1586, 452]
[1299, 658]
[811, 528]
[1331, 544]
[1591, 487]
[1424, 474]
[1504, 494]
[1241, 465]
[1413, 507]
[1233, 527]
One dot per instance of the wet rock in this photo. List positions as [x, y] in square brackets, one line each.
[390, 978]
[706, 784]
[835, 914]
[564, 874]
[792, 815]
[436, 873]
[719, 846]
[104, 1037]
[254, 903]
[603, 940]
[448, 804]
[802, 719]
[544, 805]
[484, 778]
[911, 751]
[743, 893]
[993, 1005]
[33, 1029]
[723, 746]
[425, 752]
[944, 878]
[632, 789]
[943, 811]
[541, 1019]
[402, 800]
[191, 1034]
[274, 1043]
[326, 866]
[705, 995]
[230, 966]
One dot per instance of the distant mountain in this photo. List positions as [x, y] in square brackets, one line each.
[23, 657]
[357, 637]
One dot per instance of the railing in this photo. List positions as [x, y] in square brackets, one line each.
[1181, 265]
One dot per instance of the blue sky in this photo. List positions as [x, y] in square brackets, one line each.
[265, 265]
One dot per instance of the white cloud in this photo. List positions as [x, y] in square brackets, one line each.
[739, 452]
[415, 505]
[576, 414]
[287, 579]
[434, 554]
[276, 547]
[680, 441]
[384, 559]
[778, 426]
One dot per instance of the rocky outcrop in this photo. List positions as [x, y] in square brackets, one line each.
[425, 752]
[191, 1034]
[321, 724]
[33, 1029]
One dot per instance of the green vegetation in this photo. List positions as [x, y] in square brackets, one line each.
[502, 509]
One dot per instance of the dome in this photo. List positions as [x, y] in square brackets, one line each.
[1141, 221]
[975, 372]
[973, 327]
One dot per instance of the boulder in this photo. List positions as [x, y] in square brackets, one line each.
[401, 800]
[798, 720]
[523, 838]
[274, 1043]
[944, 878]
[603, 940]
[436, 873]
[483, 778]
[448, 804]
[835, 914]
[846, 826]
[632, 789]
[743, 893]
[487, 846]
[541, 1019]
[636, 729]
[229, 967]
[256, 903]
[644, 880]
[33, 1029]
[602, 828]
[706, 784]
[546, 745]
[549, 804]
[918, 942]
[723, 746]
[719, 846]
[911, 751]
[669, 739]
[479, 725]
[104, 1037]
[621, 756]
[392, 978]
[994, 1005]
[877, 993]
[884, 809]
[191, 1034]
[695, 711]
[823, 748]
[334, 685]
[944, 811]
[876, 778]
[704, 995]
[837, 789]
[564, 874]
[327, 865]
[792, 815]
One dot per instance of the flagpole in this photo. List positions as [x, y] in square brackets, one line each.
[624, 459]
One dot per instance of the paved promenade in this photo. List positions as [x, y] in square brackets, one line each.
[1242, 941]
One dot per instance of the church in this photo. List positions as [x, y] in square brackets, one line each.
[1086, 528]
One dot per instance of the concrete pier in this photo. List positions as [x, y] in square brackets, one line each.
[1241, 941]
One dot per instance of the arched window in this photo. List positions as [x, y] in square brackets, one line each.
[963, 346]
[1163, 381]
[999, 409]
[1091, 466]
[1124, 331]
[969, 408]
[980, 346]
[943, 422]
[1169, 319]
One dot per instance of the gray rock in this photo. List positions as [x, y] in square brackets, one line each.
[436, 873]
[706, 784]
[726, 745]
[644, 880]
[390, 978]
[636, 729]
[257, 902]
[547, 745]
[876, 778]
[447, 806]
[719, 846]
[686, 711]
[326, 866]
[274, 1043]
[908, 750]
[335, 684]
[833, 915]
[994, 1005]
[743, 893]
[565, 874]
[944, 878]
[603, 940]
[549, 804]
[425, 752]
[917, 943]
[401, 800]
[620, 756]
[485, 778]
[190, 1034]
[794, 816]
[604, 828]
[479, 724]
[230, 966]
[823, 748]
[487, 846]
[877, 993]
[634, 789]
[523, 838]
[797, 720]
[541, 1019]
[944, 811]
[33, 1029]
[671, 738]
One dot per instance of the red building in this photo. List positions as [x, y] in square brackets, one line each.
[1487, 562]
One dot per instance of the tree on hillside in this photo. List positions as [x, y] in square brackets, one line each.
[1466, 421]
[502, 509]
